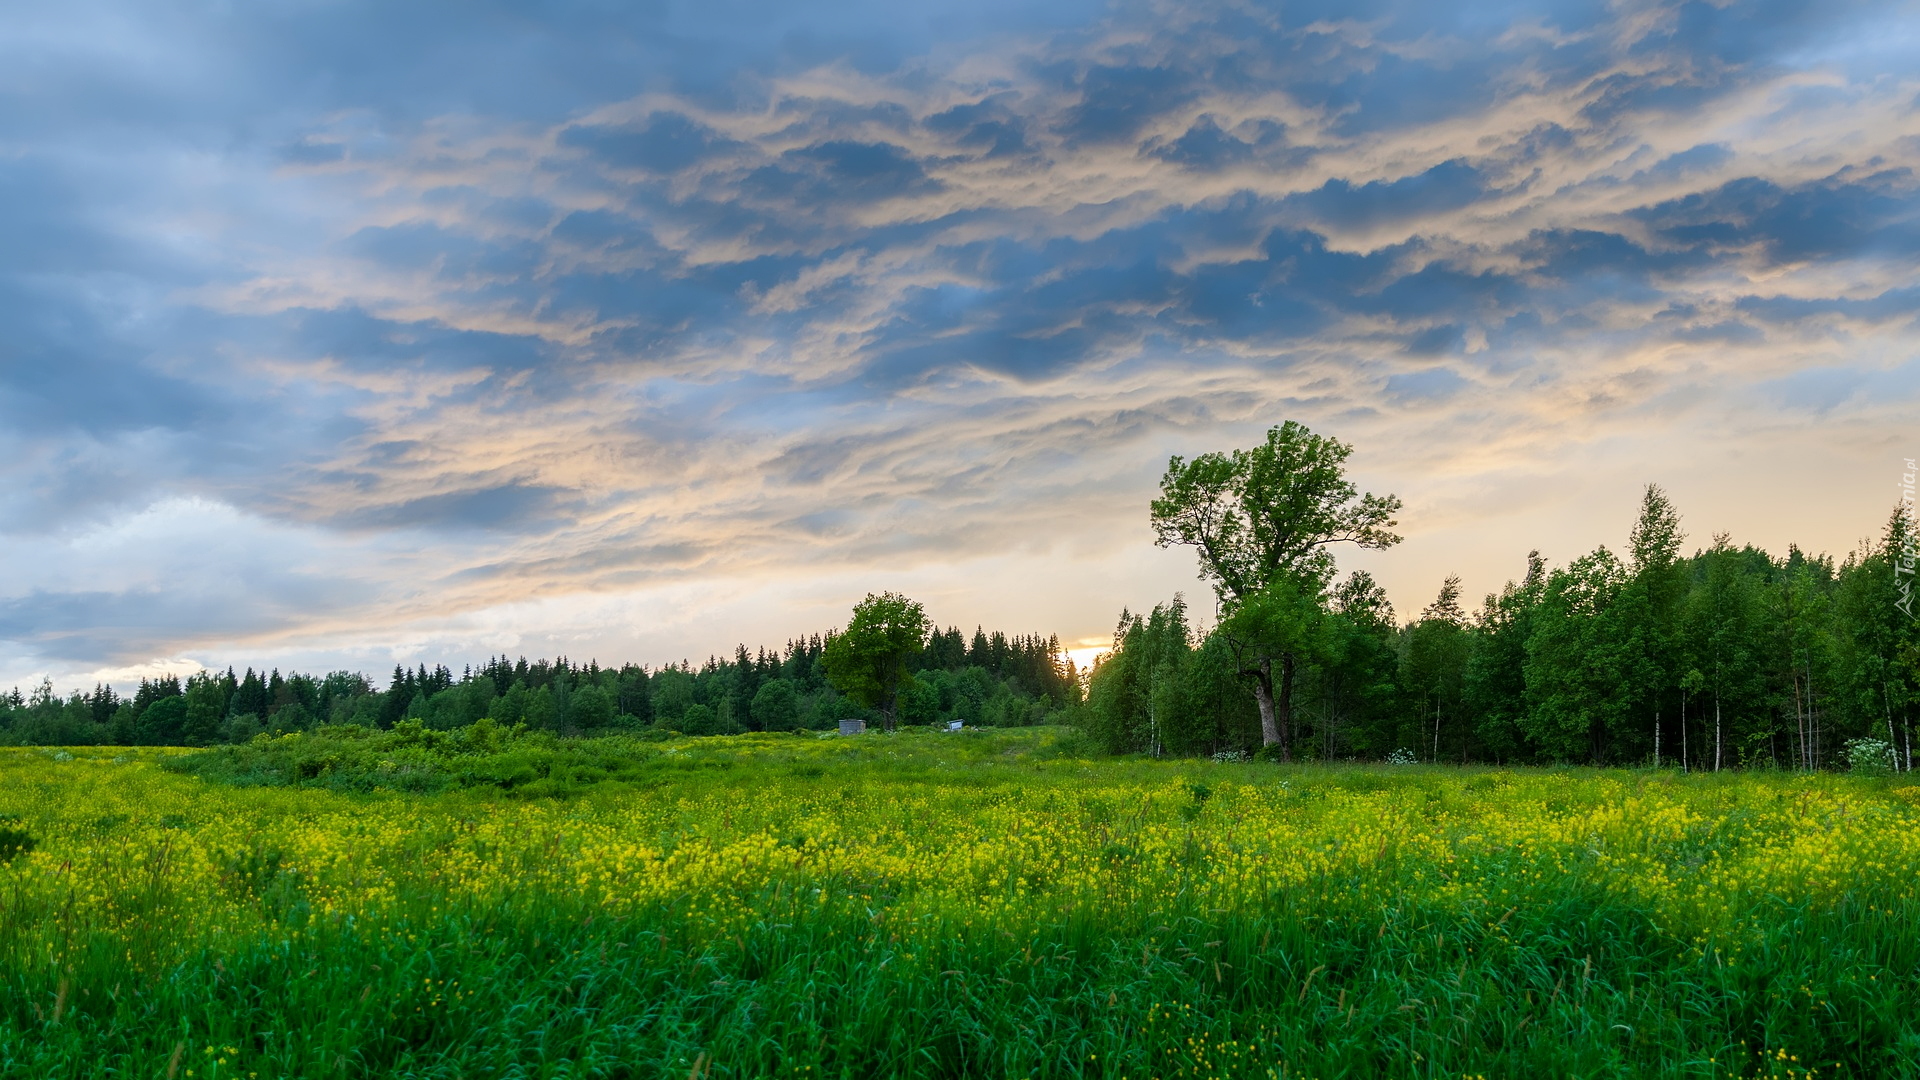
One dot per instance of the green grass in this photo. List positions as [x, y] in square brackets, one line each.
[930, 905]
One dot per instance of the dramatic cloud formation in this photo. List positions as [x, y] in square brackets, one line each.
[343, 332]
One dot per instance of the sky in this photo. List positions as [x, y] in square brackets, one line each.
[346, 334]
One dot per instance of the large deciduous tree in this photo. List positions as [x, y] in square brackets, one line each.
[1262, 521]
[868, 662]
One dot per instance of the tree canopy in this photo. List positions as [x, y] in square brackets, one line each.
[1262, 521]
[1255, 516]
[868, 661]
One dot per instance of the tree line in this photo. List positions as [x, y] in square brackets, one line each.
[991, 679]
[1724, 657]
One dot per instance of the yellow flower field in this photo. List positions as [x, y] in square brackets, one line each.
[986, 906]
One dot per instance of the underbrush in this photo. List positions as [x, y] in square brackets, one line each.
[538, 764]
[413, 758]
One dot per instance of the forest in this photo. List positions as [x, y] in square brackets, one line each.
[990, 679]
[1728, 657]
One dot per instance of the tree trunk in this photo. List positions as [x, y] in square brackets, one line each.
[1436, 727]
[1717, 740]
[1813, 719]
[1886, 701]
[1153, 726]
[1263, 693]
[1800, 725]
[1656, 738]
[1285, 709]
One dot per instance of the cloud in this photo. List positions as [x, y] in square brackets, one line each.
[1432, 384]
[665, 142]
[519, 505]
[584, 300]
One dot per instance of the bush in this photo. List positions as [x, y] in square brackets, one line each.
[1868, 757]
[699, 720]
[776, 707]
[416, 758]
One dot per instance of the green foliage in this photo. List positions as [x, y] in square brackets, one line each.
[164, 722]
[868, 661]
[1433, 659]
[999, 680]
[1256, 516]
[206, 700]
[1494, 682]
[699, 720]
[776, 706]
[1137, 694]
[1579, 657]
[1262, 521]
[919, 702]
[14, 840]
[416, 758]
[592, 708]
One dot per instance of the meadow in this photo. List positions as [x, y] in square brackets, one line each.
[990, 904]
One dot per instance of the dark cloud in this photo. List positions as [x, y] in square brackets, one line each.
[64, 368]
[88, 627]
[665, 142]
[1434, 341]
[1116, 102]
[1891, 304]
[1433, 384]
[499, 507]
[1206, 146]
[1846, 215]
[1586, 256]
[358, 339]
[988, 127]
[1449, 185]
[839, 171]
[316, 260]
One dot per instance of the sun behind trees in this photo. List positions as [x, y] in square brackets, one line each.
[1725, 658]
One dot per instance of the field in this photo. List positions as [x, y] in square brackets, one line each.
[983, 904]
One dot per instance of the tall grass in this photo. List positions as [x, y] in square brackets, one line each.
[943, 905]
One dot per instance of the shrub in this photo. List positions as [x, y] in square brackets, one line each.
[416, 758]
[1868, 757]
